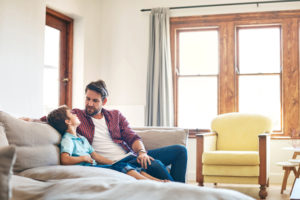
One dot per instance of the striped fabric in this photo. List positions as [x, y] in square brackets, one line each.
[117, 125]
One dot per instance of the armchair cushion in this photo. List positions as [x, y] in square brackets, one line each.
[230, 158]
[242, 128]
[231, 170]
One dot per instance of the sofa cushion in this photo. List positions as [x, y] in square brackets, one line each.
[7, 159]
[159, 137]
[230, 158]
[37, 143]
[3, 139]
[71, 171]
[30, 157]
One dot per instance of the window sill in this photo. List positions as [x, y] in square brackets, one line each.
[277, 137]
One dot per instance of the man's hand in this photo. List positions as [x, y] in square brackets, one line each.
[27, 119]
[144, 159]
[87, 159]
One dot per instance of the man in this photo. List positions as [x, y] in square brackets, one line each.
[110, 135]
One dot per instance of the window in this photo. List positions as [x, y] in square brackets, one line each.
[198, 72]
[51, 69]
[236, 63]
[57, 81]
[258, 70]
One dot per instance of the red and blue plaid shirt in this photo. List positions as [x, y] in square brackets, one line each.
[117, 125]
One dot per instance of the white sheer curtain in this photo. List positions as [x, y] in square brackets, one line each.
[159, 107]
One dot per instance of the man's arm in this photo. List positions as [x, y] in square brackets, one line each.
[128, 135]
[138, 147]
[42, 119]
[27, 119]
[66, 159]
[135, 142]
[143, 158]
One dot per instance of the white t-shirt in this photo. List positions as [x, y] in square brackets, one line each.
[103, 143]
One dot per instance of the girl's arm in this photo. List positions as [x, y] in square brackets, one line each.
[100, 159]
[66, 159]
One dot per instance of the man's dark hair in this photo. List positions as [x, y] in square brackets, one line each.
[99, 87]
[57, 117]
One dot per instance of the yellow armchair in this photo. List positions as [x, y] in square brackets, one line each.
[236, 151]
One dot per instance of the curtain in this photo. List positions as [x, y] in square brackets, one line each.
[159, 107]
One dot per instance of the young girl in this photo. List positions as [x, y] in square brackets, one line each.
[76, 150]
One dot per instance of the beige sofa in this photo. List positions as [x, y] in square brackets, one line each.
[30, 168]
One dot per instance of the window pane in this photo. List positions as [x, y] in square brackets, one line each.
[197, 102]
[51, 69]
[261, 94]
[198, 52]
[51, 55]
[259, 50]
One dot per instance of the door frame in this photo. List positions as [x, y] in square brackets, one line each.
[65, 25]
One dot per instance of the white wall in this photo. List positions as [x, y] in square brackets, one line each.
[21, 56]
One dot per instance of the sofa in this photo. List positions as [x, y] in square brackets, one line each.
[30, 168]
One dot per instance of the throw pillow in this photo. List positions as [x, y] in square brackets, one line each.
[22, 133]
[36, 143]
[7, 160]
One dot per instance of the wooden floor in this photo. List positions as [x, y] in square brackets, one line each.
[252, 190]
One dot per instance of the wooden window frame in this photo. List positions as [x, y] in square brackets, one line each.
[227, 90]
[65, 25]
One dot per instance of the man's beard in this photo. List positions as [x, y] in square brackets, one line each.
[91, 111]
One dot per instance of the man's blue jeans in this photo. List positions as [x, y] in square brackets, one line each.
[174, 155]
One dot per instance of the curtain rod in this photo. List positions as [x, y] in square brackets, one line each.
[225, 4]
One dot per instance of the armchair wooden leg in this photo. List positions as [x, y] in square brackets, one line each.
[263, 192]
[201, 183]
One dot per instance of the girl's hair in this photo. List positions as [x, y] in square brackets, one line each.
[57, 117]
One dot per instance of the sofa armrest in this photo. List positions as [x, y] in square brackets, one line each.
[205, 142]
[157, 137]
